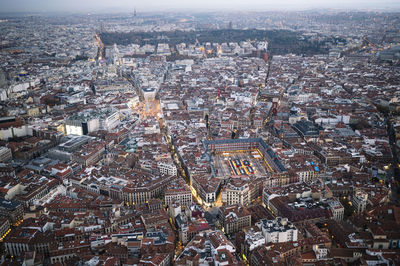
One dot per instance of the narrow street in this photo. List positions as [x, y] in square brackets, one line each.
[395, 179]
[100, 52]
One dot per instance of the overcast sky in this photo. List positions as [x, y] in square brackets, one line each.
[199, 5]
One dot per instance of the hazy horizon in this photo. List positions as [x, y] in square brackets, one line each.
[16, 6]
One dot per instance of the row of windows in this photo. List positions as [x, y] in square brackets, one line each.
[62, 259]
[16, 249]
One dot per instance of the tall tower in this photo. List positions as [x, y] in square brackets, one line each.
[134, 12]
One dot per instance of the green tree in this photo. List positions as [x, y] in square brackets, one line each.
[348, 208]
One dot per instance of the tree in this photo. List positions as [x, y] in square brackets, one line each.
[348, 208]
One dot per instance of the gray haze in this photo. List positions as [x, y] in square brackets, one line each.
[195, 5]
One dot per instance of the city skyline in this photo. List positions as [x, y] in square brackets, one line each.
[102, 6]
[138, 133]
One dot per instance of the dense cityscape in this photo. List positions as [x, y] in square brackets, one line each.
[203, 138]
